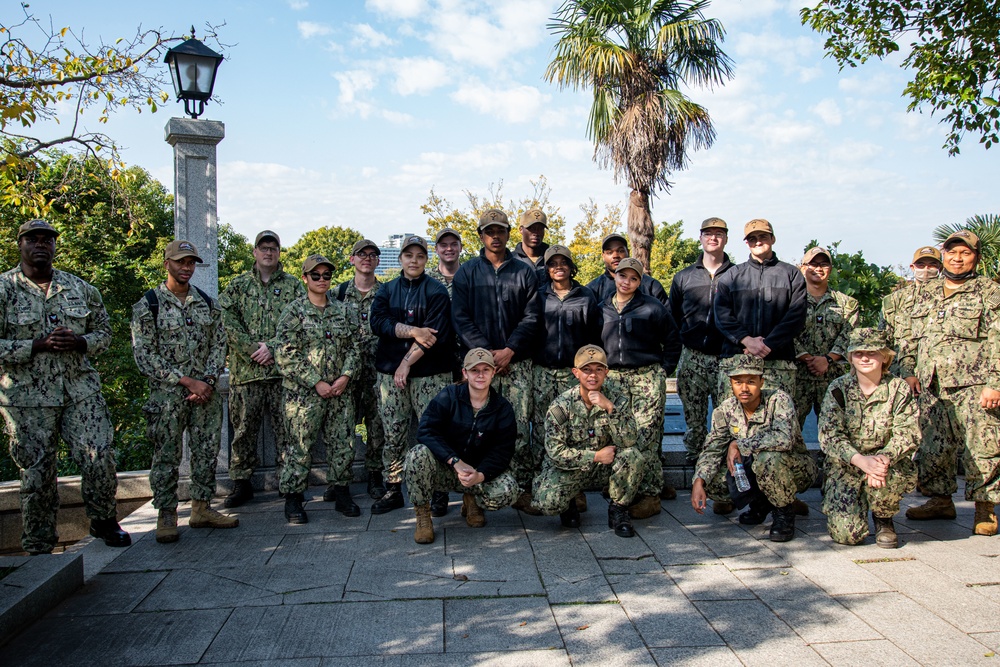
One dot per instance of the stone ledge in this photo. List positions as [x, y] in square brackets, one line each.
[38, 584]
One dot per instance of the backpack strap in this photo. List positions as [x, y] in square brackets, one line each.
[342, 291]
[153, 302]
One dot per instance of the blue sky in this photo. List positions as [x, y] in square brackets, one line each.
[348, 112]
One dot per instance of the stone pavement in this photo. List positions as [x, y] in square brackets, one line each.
[688, 590]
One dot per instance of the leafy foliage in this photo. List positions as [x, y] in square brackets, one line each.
[855, 276]
[987, 228]
[954, 54]
[587, 237]
[672, 252]
[334, 243]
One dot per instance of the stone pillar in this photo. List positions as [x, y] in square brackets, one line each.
[196, 213]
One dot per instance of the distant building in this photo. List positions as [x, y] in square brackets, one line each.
[389, 260]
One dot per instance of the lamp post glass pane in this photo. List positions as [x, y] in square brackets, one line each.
[195, 76]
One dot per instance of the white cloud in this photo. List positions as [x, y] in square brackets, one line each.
[418, 75]
[828, 111]
[400, 9]
[354, 99]
[309, 29]
[369, 37]
[297, 5]
[516, 104]
[487, 34]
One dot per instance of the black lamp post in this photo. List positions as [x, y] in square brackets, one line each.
[192, 68]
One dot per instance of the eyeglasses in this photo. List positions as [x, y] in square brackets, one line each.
[268, 249]
[366, 255]
[320, 276]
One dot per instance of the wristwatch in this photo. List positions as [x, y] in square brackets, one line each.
[452, 461]
[829, 359]
[209, 380]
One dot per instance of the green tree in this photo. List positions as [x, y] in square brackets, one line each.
[953, 54]
[672, 252]
[855, 276]
[636, 55]
[987, 228]
[587, 237]
[235, 255]
[334, 243]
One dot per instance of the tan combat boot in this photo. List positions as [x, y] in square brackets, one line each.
[424, 534]
[645, 507]
[938, 507]
[203, 516]
[166, 526]
[581, 502]
[986, 519]
[522, 504]
[722, 507]
[472, 512]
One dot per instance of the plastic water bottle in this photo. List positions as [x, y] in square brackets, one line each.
[742, 483]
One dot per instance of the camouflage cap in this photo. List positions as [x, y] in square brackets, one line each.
[266, 234]
[813, 252]
[927, 252]
[630, 263]
[493, 216]
[476, 356]
[180, 249]
[36, 226]
[613, 237]
[714, 223]
[558, 250]
[743, 364]
[534, 217]
[962, 236]
[415, 239]
[444, 232]
[867, 339]
[590, 354]
[757, 225]
[365, 243]
[312, 261]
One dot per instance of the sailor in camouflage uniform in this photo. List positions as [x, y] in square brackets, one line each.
[318, 355]
[819, 348]
[357, 294]
[954, 347]
[180, 345]
[51, 321]
[251, 305]
[448, 247]
[758, 423]
[898, 304]
[868, 429]
[590, 441]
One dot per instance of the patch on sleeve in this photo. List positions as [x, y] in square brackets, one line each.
[559, 415]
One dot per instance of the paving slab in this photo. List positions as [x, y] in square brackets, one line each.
[568, 568]
[661, 613]
[714, 581]
[673, 544]
[194, 589]
[821, 618]
[110, 594]
[542, 658]
[756, 634]
[878, 653]
[230, 548]
[337, 629]
[601, 635]
[696, 656]
[473, 626]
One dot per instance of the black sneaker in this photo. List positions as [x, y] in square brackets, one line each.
[242, 492]
[294, 513]
[619, 519]
[392, 500]
[109, 531]
[439, 503]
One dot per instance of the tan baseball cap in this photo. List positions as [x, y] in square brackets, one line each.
[613, 237]
[36, 226]
[534, 217]
[312, 261]
[743, 364]
[757, 225]
[813, 252]
[444, 232]
[962, 236]
[416, 239]
[557, 250]
[365, 243]
[180, 249]
[590, 354]
[714, 223]
[476, 356]
[630, 263]
[927, 252]
[493, 216]
[266, 234]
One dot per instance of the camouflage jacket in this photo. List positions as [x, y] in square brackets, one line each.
[187, 338]
[884, 423]
[359, 309]
[49, 378]
[436, 274]
[895, 321]
[316, 343]
[773, 427]
[573, 432]
[828, 324]
[250, 312]
[955, 339]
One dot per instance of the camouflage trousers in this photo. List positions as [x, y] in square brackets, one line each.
[516, 387]
[780, 475]
[34, 436]
[365, 396]
[847, 498]
[952, 421]
[777, 375]
[555, 488]
[548, 384]
[399, 406]
[646, 388]
[168, 415]
[425, 475]
[307, 415]
[810, 389]
[247, 405]
[697, 381]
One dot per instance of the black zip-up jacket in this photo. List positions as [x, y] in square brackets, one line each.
[567, 325]
[603, 286]
[485, 441]
[496, 309]
[641, 335]
[422, 302]
[523, 256]
[691, 295]
[761, 299]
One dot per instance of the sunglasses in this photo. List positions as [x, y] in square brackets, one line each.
[320, 276]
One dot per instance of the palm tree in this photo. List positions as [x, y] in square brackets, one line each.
[987, 228]
[635, 54]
